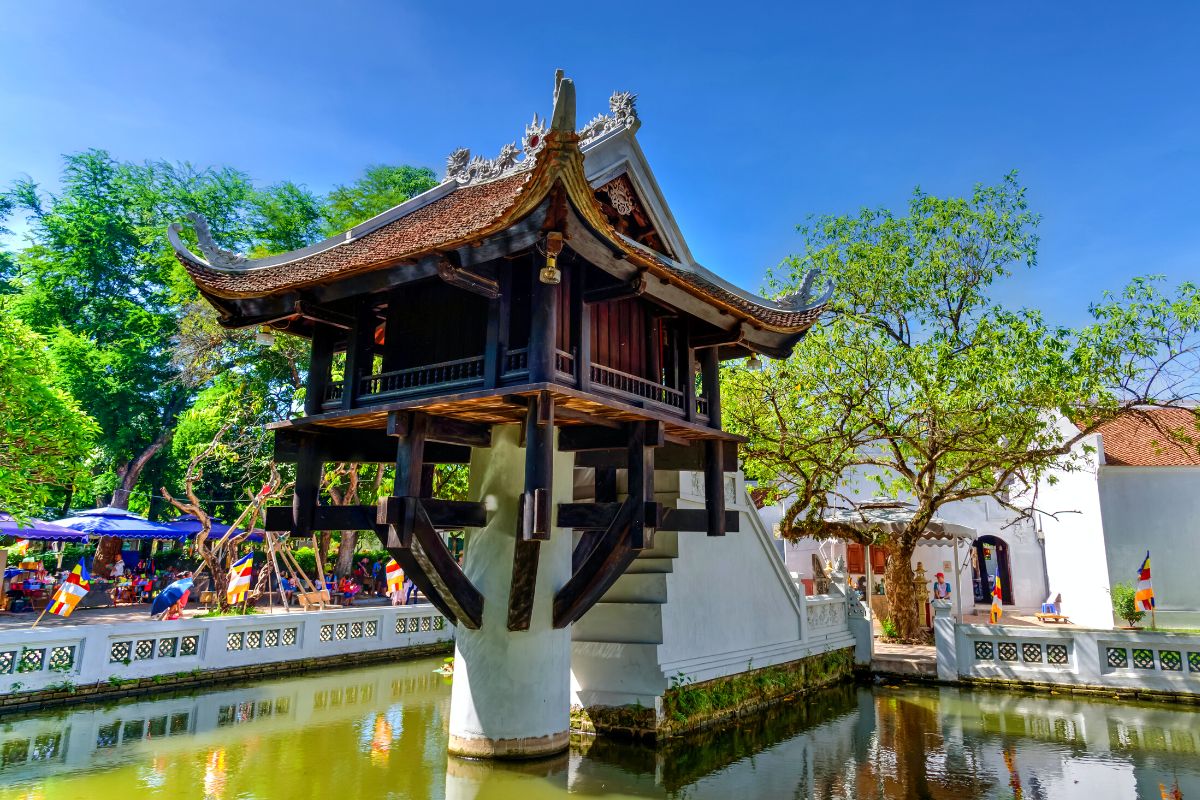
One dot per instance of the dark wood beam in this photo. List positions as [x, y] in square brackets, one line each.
[604, 491]
[336, 445]
[576, 438]
[468, 280]
[539, 468]
[669, 457]
[447, 430]
[619, 291]
[414, 539]
[598, 516]
[640, 480]
[735, 335]
[499, 316]
[606, 562]
[307, 489]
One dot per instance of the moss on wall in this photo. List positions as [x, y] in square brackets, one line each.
[690, 706]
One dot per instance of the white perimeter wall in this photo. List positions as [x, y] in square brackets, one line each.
[1072, 522]
[1155, 509]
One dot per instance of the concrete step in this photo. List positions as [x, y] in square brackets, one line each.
[638, 587]
[629, 623]
[648, 565]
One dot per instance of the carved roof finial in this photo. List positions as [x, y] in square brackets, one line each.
[563, 118]
[214, 255]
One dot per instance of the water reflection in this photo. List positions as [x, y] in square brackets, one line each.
[381, 732]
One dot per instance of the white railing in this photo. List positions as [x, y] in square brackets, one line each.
[1126, 660]
[40, 658]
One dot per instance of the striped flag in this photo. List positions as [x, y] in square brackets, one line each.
[71, 592]
[1144, 596]
[997, 607]
[395, 577]
[239, 579]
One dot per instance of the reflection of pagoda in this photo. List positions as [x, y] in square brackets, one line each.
[545, 290]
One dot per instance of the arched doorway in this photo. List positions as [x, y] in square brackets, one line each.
[989, 557]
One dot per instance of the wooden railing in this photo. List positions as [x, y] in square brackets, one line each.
[624, 383]
[515, 360]
[702, 407]
[564, 362]
[457, 373]
[333, 393]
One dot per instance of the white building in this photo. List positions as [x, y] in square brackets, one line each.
[1139, 492]
[1004, 544]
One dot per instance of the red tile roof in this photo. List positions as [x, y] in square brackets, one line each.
[1156, 437]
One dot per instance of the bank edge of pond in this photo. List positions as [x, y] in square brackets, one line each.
[1033, 687]
[687, 708]
[67, 693]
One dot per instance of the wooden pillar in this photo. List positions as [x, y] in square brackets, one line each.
[320, 365]
[643, 438]
[410, 430]
[711, 376]
[499, 314]
[393, 333]
[307, 491]
[581, 329]
[536, 508]
[687, 371]
[543, 330]
[360, 354]
[714, 486]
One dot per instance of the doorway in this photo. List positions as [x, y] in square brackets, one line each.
[989, 557]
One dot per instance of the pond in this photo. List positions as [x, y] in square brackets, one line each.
[381, 732]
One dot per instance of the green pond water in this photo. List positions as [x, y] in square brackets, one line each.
[381, 733]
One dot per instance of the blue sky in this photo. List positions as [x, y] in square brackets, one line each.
[753, 117]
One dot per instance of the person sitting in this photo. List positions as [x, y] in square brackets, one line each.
[348, 588]
[174, 612]
[941, 588]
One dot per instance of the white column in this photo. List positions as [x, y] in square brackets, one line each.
[512, 690]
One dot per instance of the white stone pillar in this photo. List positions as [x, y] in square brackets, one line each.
[945, 637]
[511, 696]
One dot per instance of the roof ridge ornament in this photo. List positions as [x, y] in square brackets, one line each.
[622, 108]
[215, 256]
[804, 299]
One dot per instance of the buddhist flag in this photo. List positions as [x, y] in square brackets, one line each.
[997, 607]
[239, 579]
[1144, 597]
[71, 592]
[395, 577]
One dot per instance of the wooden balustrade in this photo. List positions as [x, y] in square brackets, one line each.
[446, 374]
[624, 383]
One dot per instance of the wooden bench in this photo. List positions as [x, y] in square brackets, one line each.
[311, 600]
[1045, 616]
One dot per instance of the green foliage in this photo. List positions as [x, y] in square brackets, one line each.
[1124, 603]
[919, 382]
[45, 437]
[889, 628]
[380, 187]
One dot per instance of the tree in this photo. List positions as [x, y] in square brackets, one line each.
[921, 381]
[381, 187]
[45, 438]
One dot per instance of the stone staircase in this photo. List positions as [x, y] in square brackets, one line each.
[627, 626]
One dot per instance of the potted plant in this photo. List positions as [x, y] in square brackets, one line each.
[1125, 604]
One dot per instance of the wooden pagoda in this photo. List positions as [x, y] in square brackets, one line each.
[547, 288]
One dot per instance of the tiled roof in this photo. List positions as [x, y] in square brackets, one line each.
[454, 217]
[1148, 438]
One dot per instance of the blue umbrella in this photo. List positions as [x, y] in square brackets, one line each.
[117, 522]
[37, 530]
[170, 595]
[189, 525]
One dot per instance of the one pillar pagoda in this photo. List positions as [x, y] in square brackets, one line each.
[539, 317]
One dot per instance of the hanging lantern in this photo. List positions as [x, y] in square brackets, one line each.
[264, 336]
[753, 362]
[550, 274]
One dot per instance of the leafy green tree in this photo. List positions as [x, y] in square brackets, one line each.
[921, 382]
[380, 187]
[45, 438]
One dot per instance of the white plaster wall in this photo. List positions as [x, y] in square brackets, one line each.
[1072, 523]
[222, 642]
[1155, 509]
[731, 602]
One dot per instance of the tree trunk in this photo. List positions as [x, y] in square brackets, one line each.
[109, 549]
[901, 595]
[345, 556]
